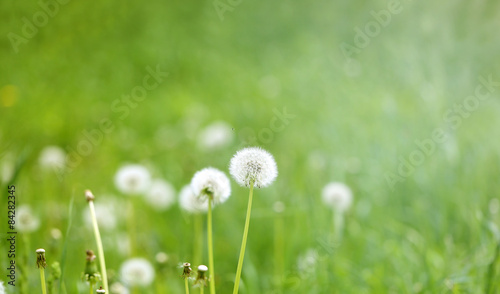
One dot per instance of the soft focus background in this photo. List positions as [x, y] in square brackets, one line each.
[275, 73]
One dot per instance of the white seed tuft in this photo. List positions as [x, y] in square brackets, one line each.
[211, 183]
[215, 136]
[133, 179]
[338, 196]
[137, 272]
[255, 165]
[26, 222]
[190, 203]
[161, 195]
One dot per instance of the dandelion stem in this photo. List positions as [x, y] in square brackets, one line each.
[338, 220]
[244, 241]
[186, 285]
[100, 249]
[91, 287]
[278, 250]
[42, 278]
[202, 289]
[210, 248]
[198, 232]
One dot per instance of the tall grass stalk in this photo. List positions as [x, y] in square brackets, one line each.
[210, 248]
[98, 240]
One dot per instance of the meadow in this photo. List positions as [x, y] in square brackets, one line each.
[398, 100]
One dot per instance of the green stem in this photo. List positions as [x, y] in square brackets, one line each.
[243, 242]
[100, 249]
[210, 248]
[186, 285]
[42, 278]
[491, 270]
[339, 225]
[198, 232]
[279, 249]
[202, 289]
[91, 287]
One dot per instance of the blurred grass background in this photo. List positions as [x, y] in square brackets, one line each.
[430, 234]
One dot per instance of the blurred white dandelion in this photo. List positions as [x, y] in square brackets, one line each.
[338, 196]
[52, 157]
[133, 179]
[137, 272]
[307, 262]
[26, 221]
[213, 182]
[190, 203]
[215, 136]
[161, 194]
[118, 288]
[123, 244]
[106, 212]
[255, 165]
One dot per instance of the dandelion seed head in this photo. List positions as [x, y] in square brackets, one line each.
[211, 182]
[190, 203]
[161, 195]
[26, 221]
[52, 157]
[338, 196]
[202, 268]
[215, 136]
[253, 164]
[133, 179]
[137, 272]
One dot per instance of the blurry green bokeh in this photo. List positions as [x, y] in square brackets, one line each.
[354, 119]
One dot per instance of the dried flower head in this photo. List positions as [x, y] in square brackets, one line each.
[211, 183]
[253, 165]
[40, 258]
[100, 290]
[91, 273]
[161, 195]
[133, 179]
[190, 203]
[186, 270]
[26, 221]
[338, 196]
[201, 278]
[137, 272]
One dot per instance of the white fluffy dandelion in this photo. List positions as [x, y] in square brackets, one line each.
[255, 165]
[26, 221]
[338, 196]
[190, 203]
[211, 182]
[216, 135]
[137, 272]
[133, 179]
[52, 157]
[161, 195]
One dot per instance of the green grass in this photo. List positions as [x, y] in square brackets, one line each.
[430, 234]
